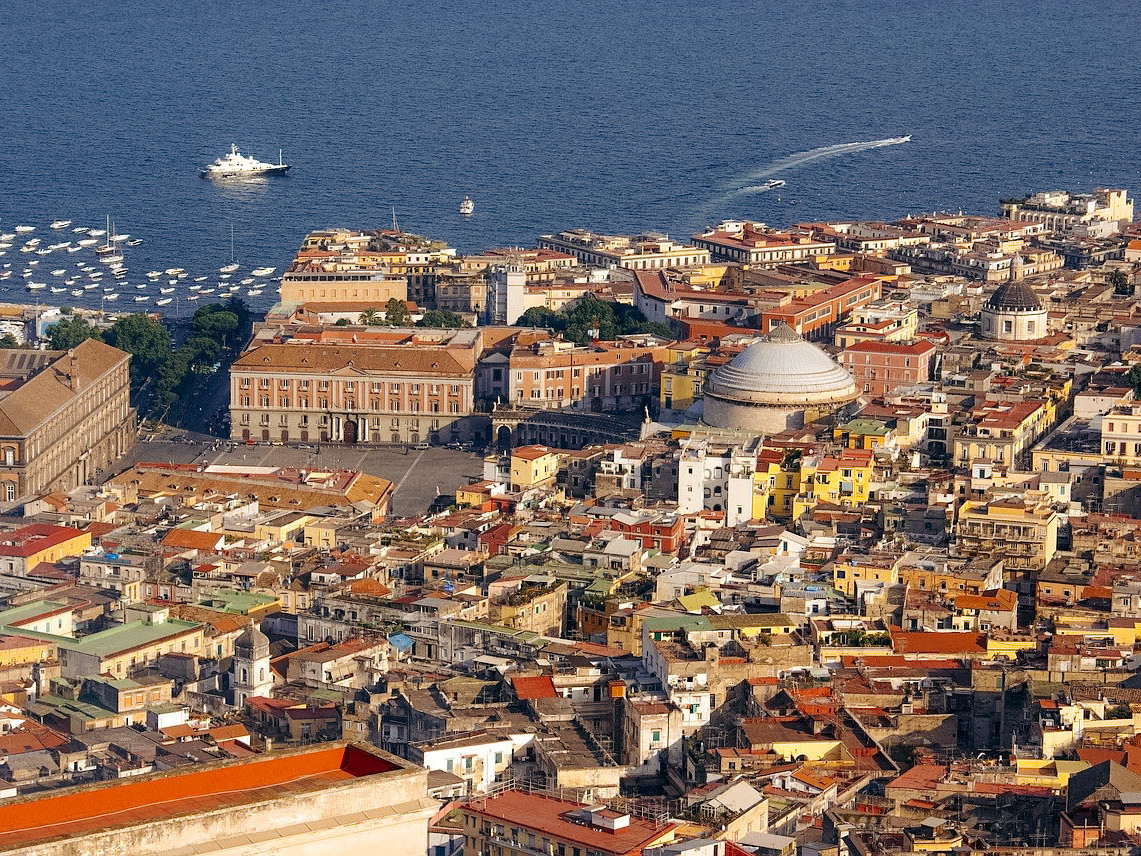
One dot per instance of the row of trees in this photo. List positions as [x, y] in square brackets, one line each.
[591, 318]
[214, 328]
[396, 314]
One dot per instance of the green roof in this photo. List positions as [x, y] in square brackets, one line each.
[133, 634]
[235, 602]
[677, 622]
[29, 610]
[867, 426]
[760, 619]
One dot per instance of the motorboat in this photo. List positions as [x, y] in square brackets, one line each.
[60, 224]
[87, 242]
[134, 242]
[163, 302]
[113, 296]
[36, 286]
[166, 290]
[263, 271]
[236, 165]
[25, 229]
[79, 230]
[57, 289]
[467, 206]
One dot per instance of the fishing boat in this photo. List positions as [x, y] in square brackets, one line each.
[467, 206]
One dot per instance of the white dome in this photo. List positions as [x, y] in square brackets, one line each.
[782, 369]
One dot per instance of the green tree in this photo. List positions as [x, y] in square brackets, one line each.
[203, 351]
[441, 318]
[1135, 377]
[1120, 282]
[215, 322]
[370, 318]
[147, 341]
[69, 332]
[541, 316]
[8, 341]
[396, 313]
[342, 322]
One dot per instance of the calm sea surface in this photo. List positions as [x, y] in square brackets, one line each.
[616, 116]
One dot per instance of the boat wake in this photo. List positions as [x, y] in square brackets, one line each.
[744, 185]
[822, 153]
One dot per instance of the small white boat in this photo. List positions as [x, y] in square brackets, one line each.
[253, 292]
[206, 291]
[59, 271]
[201, 278]
[89, 286]
[79, 230]
[71, 280]
[36, 286]
[62, 245]
[141, 285]
[87, 242]
[77, 293]
[192, 297]
[60, 224]
[163, 302]
[154, 274]
[96, 232]
[174, 271]
[263, 271]
[143, 299]
[24, 229]
[57, 290]
[113, 296]
[111, 259]
[44, 252]
[230, 268]
[166, 291]
[194, 287]
[134, 242]
[467, 206]
[4, 245]
[35, 242]
[7, 236]
[249, 280]
[75, 249]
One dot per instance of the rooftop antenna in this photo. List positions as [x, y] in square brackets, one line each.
[395, 226]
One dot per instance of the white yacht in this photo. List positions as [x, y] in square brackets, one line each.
[467, 206]
[24, 229]
[228, 269]
[237, 165]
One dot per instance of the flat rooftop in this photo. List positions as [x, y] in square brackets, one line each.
[164, 796]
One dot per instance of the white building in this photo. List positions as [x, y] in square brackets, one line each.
[477, 757]
[507, 288]
[251, 673]
[716, 479]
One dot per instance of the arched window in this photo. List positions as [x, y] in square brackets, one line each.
[245, 676]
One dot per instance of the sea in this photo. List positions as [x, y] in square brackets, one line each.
[618, 116]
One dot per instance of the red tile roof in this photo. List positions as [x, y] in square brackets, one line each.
[29, 540]
[539, 686]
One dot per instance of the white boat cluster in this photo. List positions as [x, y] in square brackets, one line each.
[103, 275]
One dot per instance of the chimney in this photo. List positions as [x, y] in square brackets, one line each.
[73, 369]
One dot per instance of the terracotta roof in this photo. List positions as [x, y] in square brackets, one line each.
[327, 358]
[29, 540]
[193, 539]
[539, 686]
[49, 389]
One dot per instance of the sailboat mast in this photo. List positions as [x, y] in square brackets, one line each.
[231, 243]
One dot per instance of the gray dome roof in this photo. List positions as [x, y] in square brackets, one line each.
[782, 369]
[252, 639]
[1014, 296]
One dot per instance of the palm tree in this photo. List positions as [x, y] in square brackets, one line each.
[370, 317]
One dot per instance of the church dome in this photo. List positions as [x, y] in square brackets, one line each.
[1014, 296]
[781, 370]
[252, 644]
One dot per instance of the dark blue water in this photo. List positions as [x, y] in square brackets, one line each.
[617, 116]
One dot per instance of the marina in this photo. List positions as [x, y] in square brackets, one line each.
[80, 266]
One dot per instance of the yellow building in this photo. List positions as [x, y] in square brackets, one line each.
[683, 375]
[788, 484]
[1047, 772]
[1025, 534]
[18, 650]
[532, 467]
[124, 649]
[852, 568]
[879, 323]
[24, 548]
